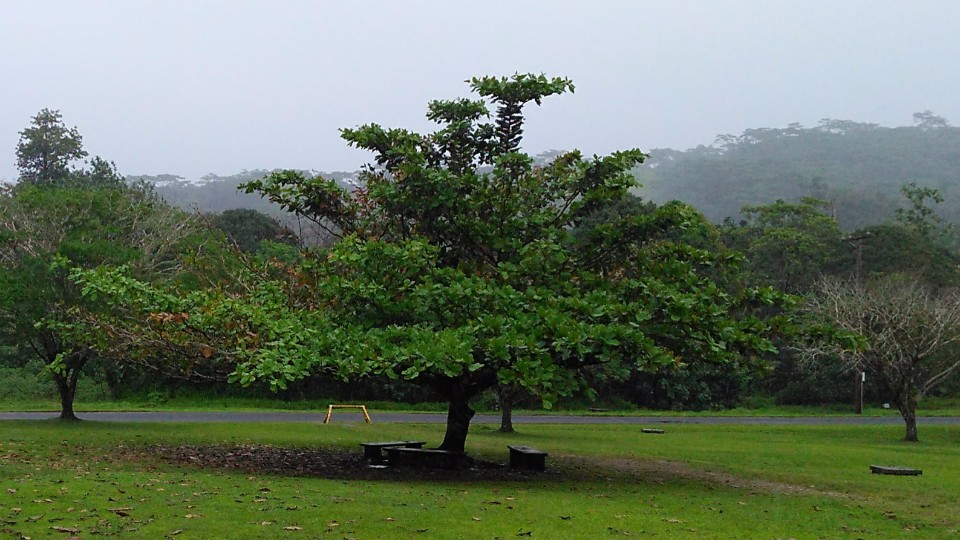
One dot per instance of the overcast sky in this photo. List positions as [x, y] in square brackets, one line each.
[192, 87]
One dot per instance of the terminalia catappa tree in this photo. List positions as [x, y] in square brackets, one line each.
[457, 267]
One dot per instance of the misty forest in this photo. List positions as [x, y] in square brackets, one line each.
[776, 266]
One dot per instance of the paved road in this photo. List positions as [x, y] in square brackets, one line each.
[393, 417]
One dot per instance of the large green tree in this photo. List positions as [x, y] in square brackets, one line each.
[44, 230]
[456, 268]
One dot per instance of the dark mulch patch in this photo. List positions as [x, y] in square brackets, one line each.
[335, 463]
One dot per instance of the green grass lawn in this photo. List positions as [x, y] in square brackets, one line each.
[98, 479]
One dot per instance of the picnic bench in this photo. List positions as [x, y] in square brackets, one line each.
[399, 456]
[526, 457]
[373, 451]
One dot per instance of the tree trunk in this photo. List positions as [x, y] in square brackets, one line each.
[67, 387]
[506, 409]
[459, 415]
[909, 412]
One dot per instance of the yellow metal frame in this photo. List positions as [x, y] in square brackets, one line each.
[363, 410]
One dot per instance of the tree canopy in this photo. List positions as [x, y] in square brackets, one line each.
[457, 267]
[788, 245]
[44, 230]
[47, 148]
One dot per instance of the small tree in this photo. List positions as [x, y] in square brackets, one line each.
[247, 228]
[47, 148]
[911, 335]
[788, 245]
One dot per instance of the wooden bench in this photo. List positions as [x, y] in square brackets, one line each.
[399, 456]
[372, 451]
[525, 457]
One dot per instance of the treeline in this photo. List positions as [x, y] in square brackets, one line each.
[847, 200]
[857, 169]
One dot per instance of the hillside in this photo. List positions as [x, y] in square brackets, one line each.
[857, 168]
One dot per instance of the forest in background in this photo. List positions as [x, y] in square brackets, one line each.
[856, 168]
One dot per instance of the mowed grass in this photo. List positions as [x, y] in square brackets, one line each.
[93, 479]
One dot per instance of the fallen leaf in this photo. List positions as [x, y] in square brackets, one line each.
[66, 530]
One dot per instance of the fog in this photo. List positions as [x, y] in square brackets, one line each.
[191, 88]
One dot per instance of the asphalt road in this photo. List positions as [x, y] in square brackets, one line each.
[401, 417]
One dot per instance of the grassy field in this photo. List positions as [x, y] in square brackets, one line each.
[96, 479]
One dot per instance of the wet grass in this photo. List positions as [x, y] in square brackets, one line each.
[94, 479]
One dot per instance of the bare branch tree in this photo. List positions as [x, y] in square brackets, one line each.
[912, 335]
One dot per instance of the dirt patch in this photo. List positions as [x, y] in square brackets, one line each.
[344, 464]
[337, 463]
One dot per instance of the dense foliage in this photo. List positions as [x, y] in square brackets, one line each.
[457, 268]
[60, 216]
[468, 267]
[44, 230]
[858, 169]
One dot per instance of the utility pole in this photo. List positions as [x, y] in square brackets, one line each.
[860, 376]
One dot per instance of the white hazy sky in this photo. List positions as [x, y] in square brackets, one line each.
[191, 87]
